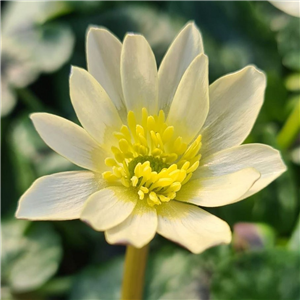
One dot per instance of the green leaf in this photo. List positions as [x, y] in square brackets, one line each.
[13, 244]
[292, 82]
[258, 275]
[175, 273]
[295, 155]
[39, 260]
[53, 46]
[294, 242]
[99, 283]
[172, 273]
[20, 15]
[288, 44]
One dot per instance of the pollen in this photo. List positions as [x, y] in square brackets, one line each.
[151, 159]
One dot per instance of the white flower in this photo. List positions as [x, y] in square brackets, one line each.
[156, 144]
[289, 7]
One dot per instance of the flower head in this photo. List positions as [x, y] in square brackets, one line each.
[156, 144]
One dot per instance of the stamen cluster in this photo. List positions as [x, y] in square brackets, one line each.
[151, 158]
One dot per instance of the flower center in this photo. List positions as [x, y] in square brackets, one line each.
[151, 158]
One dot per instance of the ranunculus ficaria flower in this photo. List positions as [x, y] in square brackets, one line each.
[289, 7]
[156, 144]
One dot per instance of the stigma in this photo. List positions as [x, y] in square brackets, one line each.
[150, 158]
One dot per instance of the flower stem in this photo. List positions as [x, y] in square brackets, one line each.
[134, 273]
[290, 129]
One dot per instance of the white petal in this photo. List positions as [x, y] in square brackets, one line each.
[266, 160]
[109, 207]
[138, 229]
[219, 190]
[70, 141]
[59, 196]
[138, 74]
[235, 101]
[103, 60]
[289, 7]
[190, 105]
[186, 46]
[191, 226]
[93, 107]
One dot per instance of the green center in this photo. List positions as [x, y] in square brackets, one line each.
[156, 163]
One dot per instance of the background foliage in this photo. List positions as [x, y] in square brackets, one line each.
[68, 260]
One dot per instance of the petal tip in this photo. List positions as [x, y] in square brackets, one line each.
[94, 29]
[33, 116]
[255, 70]
[132, 35]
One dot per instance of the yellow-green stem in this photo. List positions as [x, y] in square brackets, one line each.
[134, 273]
[290, 129]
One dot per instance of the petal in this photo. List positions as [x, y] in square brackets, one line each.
[235, 101]
[109, 207]
[139, 74]
[219, 190]
[289, 7]
[184, 49]
[93, 107]
[191, 226]
[70, 141]
[266, 160]
[59, 196]
[103, 60]
[138, 229]
[190, 105]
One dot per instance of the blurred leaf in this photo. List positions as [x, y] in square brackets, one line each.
[6, 293]
[21, 15]
[288, 44]
[53, 46]
[172, 273]
[8, 98]
[175, 273]
[39, 260]
[56, 286]
[13, 243]
[272, 274]
[99, 283]
[45, 46]
[18, 67]
[294, 243]
[295, 155]
[23, 133]
[291, 128]
[277, 204]
[170, 276]
[292, 82]
[229, 40]
[292, 60]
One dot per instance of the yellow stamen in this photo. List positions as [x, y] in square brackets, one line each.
[151, 158]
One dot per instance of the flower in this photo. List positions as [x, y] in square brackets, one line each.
[156, 144]
[289, 7]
